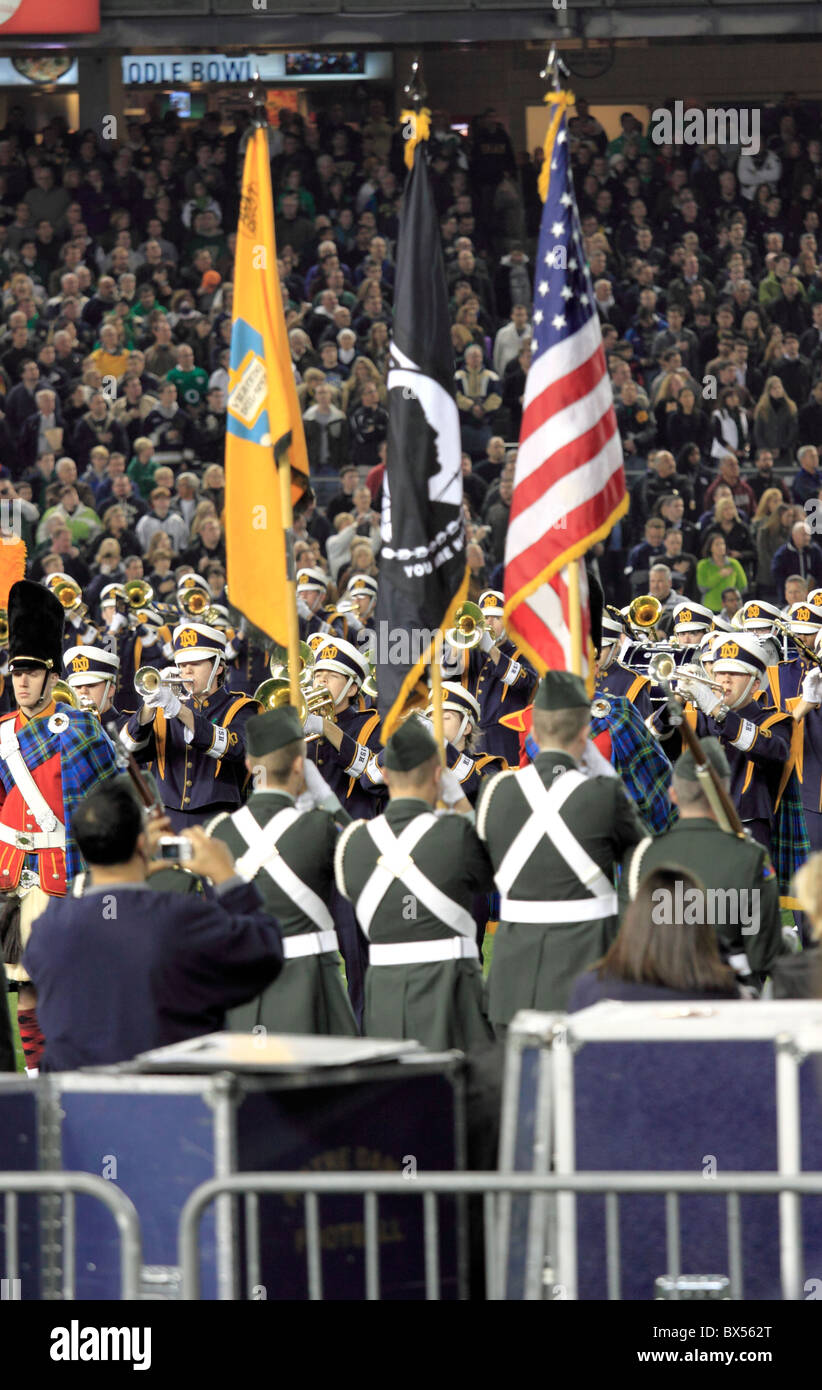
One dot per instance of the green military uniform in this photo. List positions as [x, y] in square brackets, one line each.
[290, 856]
[411, 877]
[721, 861]
[554, 838]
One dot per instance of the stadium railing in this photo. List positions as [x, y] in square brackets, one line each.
[61, 1190]
[496, 1190]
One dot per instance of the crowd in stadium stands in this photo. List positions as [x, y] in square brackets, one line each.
[116, 266]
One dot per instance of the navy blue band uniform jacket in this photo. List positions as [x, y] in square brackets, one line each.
[309, 995]
[617, 679]
[343, 768]
[439, 1002]
[561, 925]
[196, 778]
[501, 688]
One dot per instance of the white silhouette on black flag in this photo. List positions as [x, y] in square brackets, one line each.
[422, 559]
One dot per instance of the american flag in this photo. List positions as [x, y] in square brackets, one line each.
[569, 483]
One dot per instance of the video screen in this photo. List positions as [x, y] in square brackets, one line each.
[324, 64]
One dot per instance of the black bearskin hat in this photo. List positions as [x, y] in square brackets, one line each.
[36, 621]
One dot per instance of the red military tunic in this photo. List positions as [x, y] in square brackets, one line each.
[49, 864]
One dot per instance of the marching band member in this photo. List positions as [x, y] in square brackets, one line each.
[613, 677]
[343, 747]
[50, 757]
[424, 979]
[288, 852]
[196, 743]
[805, 622]
[503, 681]
[806, 711]
[247, 661]
[92, 673]
[312, 587]
[690, 623]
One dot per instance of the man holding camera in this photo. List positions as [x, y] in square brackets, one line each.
[126, 968]
[196, 739]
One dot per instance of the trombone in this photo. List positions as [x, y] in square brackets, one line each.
[801, 646]
[469, 627]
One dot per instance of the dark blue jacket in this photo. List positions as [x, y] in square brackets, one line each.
[126, 968]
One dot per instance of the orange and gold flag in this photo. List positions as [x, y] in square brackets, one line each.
[264, 420]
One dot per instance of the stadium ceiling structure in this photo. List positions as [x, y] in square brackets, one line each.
[256, 23]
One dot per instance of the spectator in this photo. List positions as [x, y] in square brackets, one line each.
[368, 424]
[771, 528]
[478, 400]
[98, 426]
[798, 556]
[729, 426]
[688, 425]
[764, 479]
[808, 480]
[717, 571]
[326, 433]
[728, 473]
[775, 422]
[161, 518]
[207, 546]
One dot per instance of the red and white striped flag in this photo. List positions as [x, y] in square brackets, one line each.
[569, 484]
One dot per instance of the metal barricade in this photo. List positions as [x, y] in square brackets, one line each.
[68, 1186]
[493, 1187]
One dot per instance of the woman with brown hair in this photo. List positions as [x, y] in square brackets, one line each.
[771, 528]
[377, 347]
[363, 371]
[660, 952]
[800, 976]
[775, 422]
[157, 565]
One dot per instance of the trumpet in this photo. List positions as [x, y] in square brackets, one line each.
[148, 680]
[70, 595]
[4, 626]
[278, 663]
[663, 670]
[469, 627]
[276, 692]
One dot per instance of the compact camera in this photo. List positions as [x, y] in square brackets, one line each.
[175, 848]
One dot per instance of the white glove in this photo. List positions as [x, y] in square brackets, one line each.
[705, 698]
[78, 619]
[313, 724]
[118, 621]
[168, 702]
[486, 642]
[318, 789]
[450, 787]
[303, 609]
[354, 624]
[812, 687]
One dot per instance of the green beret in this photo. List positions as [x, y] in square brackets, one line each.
[410, 746]
[561, 690]
[685, 767]
[267, 732]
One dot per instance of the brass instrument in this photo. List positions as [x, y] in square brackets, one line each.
[148, 680]
[278, 663]
[276, 692]
[4, 626]
[70, 595]
[802, 647]
[469, 627]
[369, 685]
[138, 593]
[663, 670]
[346, 605]
[197, 604]
[63, 694]
[644, 613]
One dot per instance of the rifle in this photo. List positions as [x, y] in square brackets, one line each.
[723, 808]
[144, 784]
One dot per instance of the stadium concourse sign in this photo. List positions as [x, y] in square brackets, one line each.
[160, 69]
[46, 17]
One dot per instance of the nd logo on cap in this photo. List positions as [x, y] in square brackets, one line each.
[803, 615]
[188, 638]
[728, 651]
[753, 610]
[330, 653]
[686, 616]
[80, 663]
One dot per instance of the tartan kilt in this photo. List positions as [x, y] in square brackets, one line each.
[17, 916]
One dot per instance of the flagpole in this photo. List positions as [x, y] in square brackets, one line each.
[283, 466]
[551, 73]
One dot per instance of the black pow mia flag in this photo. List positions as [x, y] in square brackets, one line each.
[423, 575]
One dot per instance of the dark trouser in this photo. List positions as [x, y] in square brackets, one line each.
[813, 820]
[201, 815]
[354, 951]
[761, 832]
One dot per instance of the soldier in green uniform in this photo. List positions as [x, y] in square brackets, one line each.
[411, 876]
[289, 853]
[554, 837]
[744, 902]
